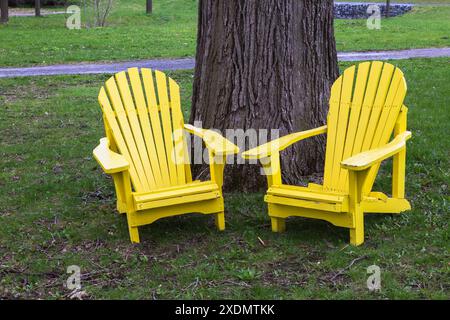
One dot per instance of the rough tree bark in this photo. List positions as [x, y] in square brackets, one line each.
[265, 64]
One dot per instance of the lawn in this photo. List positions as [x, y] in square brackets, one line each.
[57, 209]
[171, 32]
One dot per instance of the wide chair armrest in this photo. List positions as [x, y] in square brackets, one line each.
[110, 161]
[265, 150]
[367, 159]
[214, 141]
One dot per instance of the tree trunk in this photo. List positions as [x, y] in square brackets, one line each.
[388, 8]
[149, 6]
[4, 11]
[37, 8]
[265, 64]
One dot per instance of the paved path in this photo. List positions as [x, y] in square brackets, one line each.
[32, 14]
[189, 63]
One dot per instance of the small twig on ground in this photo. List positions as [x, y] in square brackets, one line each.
[193, 284]
[342, 271]
[262, 242]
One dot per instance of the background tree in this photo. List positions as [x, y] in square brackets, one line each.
[149, 6]
[4, 11]
[388, 8]
[265, 64]
[37, 8]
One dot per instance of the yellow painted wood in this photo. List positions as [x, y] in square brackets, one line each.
[167, 193]
[118, 139]
[366, 107]
[180, 147]
[342, 124]
[378, 105]
[386, 132]
[144, 217]
[356, 181]
[332, 119]
[127, 133]
[391, 205]
[265, 150]
[355, 106]
[399, 162]
[163, 99]
[220, 221]
[145, 151]
[177, 200]
[311, 204]
[369, 97]
[278, 224]
[340, 219]
[153, 111]
[142, 109]
[369, 158]
[110, 161]
[300, 193]
[213, 140]
[131, 114]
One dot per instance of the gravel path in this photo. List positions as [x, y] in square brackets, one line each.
[188, 63]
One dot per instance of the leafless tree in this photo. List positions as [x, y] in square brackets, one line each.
[101, 10]
[37, 8]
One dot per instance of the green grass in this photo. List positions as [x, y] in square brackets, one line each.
[57, 209]
[423, 27]
[171, 32]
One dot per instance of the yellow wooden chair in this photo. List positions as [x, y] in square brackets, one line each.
[366, 108]
[146, 153]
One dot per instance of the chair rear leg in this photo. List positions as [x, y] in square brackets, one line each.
[134, 232]
[278, 224]
[220, 221]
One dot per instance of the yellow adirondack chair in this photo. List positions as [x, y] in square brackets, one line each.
[146, 153]
[366, 107]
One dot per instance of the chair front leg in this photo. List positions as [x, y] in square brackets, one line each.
[120, 192]
[130, 209]
[217, 166]
[272, 170]
[356, 183]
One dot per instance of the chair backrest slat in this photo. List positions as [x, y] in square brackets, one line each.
[167, 130]
[179, 141]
